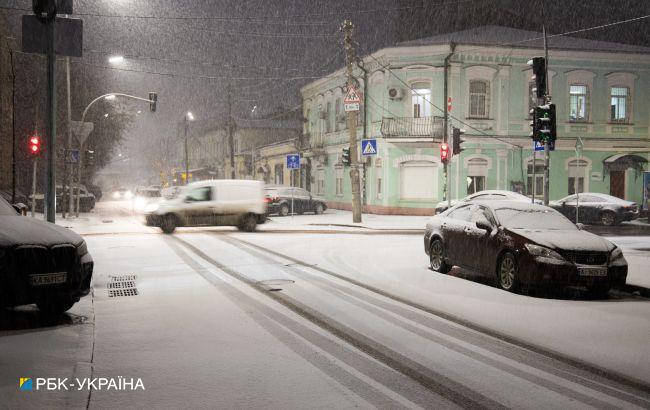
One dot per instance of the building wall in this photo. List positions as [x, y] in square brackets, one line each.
[499, 142]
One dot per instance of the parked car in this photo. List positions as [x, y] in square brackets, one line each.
[595, 208]
[221, 202]
[87, 200]
[95, 190]
[41, 263]
[522, 244]
[145, 198]
[279, 198]
[489, 195]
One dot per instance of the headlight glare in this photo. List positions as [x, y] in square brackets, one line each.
[537, 250]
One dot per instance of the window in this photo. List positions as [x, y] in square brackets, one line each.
[320, 184]
[618, 107]
[577, 175]
[578, 102]
[421, 100]
[539, 177]
[418, 180]
[279, 177]
[476, 175]
[478, 98]
[199, 194]
[475, 184]
[339, 181]
[328, 119]
[379, 187]
[337, 114]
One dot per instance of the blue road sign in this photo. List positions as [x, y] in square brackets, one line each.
[72, 156]
[537, 146]
[369, 147]
[293, 161]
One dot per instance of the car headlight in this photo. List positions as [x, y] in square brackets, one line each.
[617, 253]
[116, 195]
[128, 195]
[537, 250]
[82, 249]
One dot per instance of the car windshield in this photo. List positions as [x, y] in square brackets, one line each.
[6, 208]
[536, 218]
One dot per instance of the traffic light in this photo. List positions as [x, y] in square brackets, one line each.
[444, 152]
[539, 75]
[457, 140]
[345, 157]
[543, 123]
[34, 145]
[153, 100]
[90, 157]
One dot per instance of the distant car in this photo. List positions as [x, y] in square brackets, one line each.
[121, 194]
[490, 195]
[222, 202]
[95, 190]
[87, 200]
[146, 197]
[279, 198]
[596, 208]
[522, 244]
[41, 263]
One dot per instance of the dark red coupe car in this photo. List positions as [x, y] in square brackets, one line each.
[522, 244]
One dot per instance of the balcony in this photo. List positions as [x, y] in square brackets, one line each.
[412, 128]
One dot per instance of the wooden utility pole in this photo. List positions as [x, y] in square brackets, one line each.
[231, 139]
[350, 59]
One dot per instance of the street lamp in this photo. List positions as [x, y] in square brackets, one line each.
[187, 117]
[116, 59]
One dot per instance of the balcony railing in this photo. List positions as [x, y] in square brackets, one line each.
[406, 127]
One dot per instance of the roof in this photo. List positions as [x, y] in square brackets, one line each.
[512, 37]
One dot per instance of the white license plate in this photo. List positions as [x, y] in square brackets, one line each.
[47, 279]
[592, 271]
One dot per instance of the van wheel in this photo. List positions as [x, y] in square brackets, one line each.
[248, 223]
[168, 224]
[284, 210]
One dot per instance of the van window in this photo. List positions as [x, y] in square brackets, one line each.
[199, 194]
[235, 192]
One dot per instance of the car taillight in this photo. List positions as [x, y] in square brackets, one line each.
[267, 200]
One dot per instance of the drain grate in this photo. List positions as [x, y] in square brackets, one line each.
[122, 278]
[122, 285]
[113, 293]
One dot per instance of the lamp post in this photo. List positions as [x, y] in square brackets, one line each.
[186, 118]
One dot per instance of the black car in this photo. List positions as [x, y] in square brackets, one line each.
[595, 208]
[279, 199]
[41, 263]
[87, 200]
[522, 244]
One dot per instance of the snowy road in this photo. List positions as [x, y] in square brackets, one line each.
[223, 319]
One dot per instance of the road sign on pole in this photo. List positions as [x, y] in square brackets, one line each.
[539, 146]
[293, 161]
[369, 147]
[352, 100]
[72, 156]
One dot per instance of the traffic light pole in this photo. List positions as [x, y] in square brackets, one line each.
[547, 148]
[352, 125]
[34, 186]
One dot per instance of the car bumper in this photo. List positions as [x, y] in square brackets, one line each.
[546, 271]
[629, 216]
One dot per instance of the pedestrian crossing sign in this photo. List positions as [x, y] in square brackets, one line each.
[369, 147]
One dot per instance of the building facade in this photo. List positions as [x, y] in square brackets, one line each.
[481, 79]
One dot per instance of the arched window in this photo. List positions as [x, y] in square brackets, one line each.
[577, 176]
[477, 169]
[421, 99]
[535, 172]
[418, 180]
[479, 91]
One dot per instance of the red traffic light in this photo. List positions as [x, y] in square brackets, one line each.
[444, 152]
[34, 145]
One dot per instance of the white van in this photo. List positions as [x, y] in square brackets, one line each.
[222, 202]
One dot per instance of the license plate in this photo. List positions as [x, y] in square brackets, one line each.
[592, 271]
[47, 279]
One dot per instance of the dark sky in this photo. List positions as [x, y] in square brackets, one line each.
[191, 51]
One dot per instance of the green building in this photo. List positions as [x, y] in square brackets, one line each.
[480, 77]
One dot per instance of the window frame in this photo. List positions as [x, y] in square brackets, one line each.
[424, 94]
[585, 107]
[626, 98]
[486, 99]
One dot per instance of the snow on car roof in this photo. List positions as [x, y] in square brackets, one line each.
[499, 204]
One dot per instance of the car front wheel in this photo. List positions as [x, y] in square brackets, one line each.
[318, 209]
[168, 224]
[284, 210]
[437, 257]
[507, 272]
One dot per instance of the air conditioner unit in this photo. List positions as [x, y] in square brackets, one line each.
[395, 93]
[322, 114]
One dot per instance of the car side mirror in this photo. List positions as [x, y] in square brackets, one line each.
[484, 224]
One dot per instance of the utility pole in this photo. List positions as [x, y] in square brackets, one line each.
[231, 140]
[187, 159]
[50, 127]
[347, 29]
[547, 148]
[68, 167]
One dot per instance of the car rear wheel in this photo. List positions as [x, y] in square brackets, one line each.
[507, 272]
[318, 209]
[437, 257]
[168, 224]
[608, 218]
[248, 223]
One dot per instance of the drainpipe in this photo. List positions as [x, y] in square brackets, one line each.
[452, 47]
